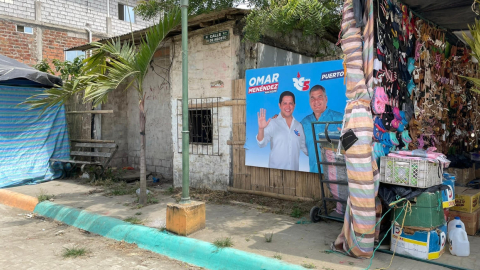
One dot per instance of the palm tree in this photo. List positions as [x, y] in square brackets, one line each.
[111, 65]
[474, 44]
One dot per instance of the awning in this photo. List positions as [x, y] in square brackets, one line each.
[452, 15]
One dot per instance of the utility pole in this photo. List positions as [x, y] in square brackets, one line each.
[185, 132]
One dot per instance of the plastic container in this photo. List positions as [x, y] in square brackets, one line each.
[458, 240]
[453, 224]
[409, 172]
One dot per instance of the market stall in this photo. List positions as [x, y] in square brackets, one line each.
[417, 116]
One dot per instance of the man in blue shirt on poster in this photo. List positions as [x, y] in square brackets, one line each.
[318, 103]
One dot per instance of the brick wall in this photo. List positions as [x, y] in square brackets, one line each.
[55, 42]
[16, 45]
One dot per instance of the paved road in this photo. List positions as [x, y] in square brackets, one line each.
[28, 242]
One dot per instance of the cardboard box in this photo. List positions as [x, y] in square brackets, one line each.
[462, 176]
[471, 220]
[423, 244]
[466, 199]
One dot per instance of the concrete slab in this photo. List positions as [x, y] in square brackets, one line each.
[294, 243]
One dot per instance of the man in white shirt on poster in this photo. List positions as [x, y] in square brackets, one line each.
[284, 133]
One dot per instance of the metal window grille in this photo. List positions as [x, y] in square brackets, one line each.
[203, 126]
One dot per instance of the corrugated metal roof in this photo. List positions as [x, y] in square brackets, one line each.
[194, 22]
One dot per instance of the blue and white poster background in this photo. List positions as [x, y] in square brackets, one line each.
[263, 89]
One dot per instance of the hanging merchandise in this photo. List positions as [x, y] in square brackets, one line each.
[420, 73]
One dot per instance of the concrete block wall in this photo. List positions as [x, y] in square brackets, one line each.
[114, 125]
[159, 153]
[16, 45]
[207, 63]
[73, 13]
[18, 8]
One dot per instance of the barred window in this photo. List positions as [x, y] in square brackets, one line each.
[200, 126]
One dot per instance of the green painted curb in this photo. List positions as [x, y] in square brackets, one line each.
[185, 249]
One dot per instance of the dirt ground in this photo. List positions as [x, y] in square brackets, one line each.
[33, 242]
[245, 219]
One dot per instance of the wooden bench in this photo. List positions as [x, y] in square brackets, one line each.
[97, 153]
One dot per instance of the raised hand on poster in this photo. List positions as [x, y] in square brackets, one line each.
[262, 122]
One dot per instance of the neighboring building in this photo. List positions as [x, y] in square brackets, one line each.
[214, 70]
[32, 30]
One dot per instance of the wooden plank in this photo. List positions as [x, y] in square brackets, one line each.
[233, 103]
[289, 178]
[76, 161]
[273, 195]
[96, 145]
[248, 181]
[311, 180]
[241, 113]
[243, 169]
[229, 142]
[316, 188]
[235, 132]
[92, 141]
[242, 134]
[235, 89]
[236, 167]
[299, 183]
[242, 91]
[91, 111]
[235, 115]
[90, 154]
[262, 178]
[276, 179]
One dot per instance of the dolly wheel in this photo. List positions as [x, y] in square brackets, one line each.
[315, 213]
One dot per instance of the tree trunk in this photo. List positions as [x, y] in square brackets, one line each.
[143, 175]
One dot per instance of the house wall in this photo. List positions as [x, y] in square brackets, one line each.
[207, 63]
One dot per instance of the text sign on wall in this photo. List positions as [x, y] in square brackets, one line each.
[216, 37]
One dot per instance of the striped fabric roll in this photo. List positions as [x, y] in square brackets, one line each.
[359, 231]
[27, 139]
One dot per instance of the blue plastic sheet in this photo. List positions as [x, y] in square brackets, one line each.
[28, 139]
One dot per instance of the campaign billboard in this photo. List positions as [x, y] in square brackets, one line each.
[281, 104]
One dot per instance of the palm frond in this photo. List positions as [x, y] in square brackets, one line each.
[154, 36]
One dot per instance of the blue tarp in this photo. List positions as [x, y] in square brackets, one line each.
[28, 139]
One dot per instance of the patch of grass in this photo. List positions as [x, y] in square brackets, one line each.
[268, 238]
[133, 220]
[169, 191]
[309, 265]
[224, 242]
[138, 213]
[74, 252]
[247, 239]
[351, 263]
[296, 212]
[151, 199]
[277, 256]
[121, 189]
[43, 196]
